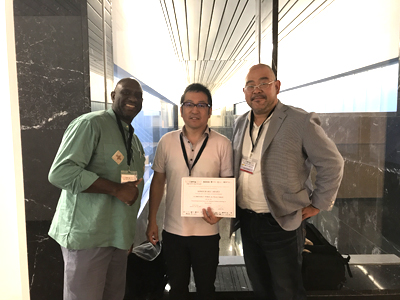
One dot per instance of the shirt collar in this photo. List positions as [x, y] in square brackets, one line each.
[266, 120]
[206, 131]
[111, 112]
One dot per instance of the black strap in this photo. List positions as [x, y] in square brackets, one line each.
[128, 145]
[259, 130]
[198, 154]
[347, 265]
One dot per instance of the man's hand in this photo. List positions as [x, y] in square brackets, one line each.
[309, 211]
[209, 216]
[152, 232]
[130, 249]
[128, 192]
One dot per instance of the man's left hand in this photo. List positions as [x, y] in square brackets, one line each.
[309, 211]
[209, 216]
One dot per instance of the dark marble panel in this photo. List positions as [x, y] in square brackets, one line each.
[38, 151]
[355, 226]
[53, 84]
[360, 227]
[48, 7]
[391, 197]
[52, 77]
[53, 87]
[328, 223]
[341, 129]
[355, 128]
[45, 262]
[368, 279]
[363, 172]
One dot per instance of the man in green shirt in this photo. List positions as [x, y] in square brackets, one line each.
[99, 167]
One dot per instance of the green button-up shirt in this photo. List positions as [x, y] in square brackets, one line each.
[89, 150]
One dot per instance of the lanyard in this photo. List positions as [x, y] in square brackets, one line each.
[128, 145]
[198, 154]
[259, 130]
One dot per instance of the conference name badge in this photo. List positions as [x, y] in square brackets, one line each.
[248, 165]
[128, 176]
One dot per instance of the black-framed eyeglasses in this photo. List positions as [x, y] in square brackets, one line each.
[262, 86]
[198, 105]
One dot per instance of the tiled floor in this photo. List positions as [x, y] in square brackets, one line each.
[374, 276]
[369, 282]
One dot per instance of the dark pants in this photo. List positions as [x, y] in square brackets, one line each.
[199, 252]
[272, 256]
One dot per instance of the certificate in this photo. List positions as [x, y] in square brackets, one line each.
[202, 192]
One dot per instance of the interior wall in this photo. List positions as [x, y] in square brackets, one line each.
[14, 284]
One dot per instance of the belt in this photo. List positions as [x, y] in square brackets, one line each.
[249, 211]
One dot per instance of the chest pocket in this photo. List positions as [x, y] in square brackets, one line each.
[114, 157]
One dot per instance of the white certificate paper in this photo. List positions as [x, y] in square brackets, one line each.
[202, 192]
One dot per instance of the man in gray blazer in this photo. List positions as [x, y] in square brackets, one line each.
[275, 146]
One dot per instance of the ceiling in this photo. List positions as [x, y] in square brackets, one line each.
[213, 39]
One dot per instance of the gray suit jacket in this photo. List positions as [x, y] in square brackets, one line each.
[294, 142]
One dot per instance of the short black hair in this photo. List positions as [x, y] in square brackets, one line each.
[197, 87]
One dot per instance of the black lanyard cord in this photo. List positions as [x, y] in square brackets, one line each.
[259, 130]
[128, 145]
[198, 154]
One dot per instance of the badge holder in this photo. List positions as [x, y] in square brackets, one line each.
[248, 165]
[128, 176]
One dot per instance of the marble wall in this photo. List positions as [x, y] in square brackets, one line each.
[364, 219]
[53, 85]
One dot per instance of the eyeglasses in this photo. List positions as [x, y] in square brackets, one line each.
[198, 105]
[261, 86]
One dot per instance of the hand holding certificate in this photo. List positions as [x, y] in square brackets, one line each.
[202, 192]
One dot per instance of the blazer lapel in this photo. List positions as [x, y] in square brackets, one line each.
[276, 121]
[238, 144]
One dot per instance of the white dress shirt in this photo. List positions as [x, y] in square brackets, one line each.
[250, 194]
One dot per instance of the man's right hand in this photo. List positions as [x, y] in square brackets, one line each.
[152, 232]
[128, 192]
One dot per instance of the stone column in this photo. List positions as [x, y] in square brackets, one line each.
[51, 40]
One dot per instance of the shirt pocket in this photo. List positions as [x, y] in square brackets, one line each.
[114, 158]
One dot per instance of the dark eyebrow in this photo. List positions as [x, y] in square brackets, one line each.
[191, 101]
[262, 78]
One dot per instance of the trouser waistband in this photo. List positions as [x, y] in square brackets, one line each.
[249, 211]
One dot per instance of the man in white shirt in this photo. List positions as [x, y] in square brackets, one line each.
[198, 151]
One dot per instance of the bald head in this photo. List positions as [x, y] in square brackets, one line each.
[128, 81]
[127, 99]
[261, 90]
[259, 67]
